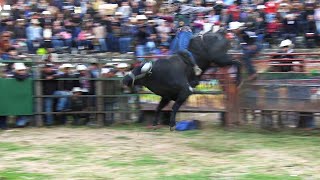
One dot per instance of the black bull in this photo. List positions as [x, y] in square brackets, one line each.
[173, 78]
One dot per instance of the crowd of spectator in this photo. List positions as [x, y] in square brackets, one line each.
[143, 26]
[65, 82]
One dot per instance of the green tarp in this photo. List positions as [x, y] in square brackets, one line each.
[16, 97]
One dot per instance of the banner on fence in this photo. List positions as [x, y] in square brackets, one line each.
[206, 101]
[16, 97]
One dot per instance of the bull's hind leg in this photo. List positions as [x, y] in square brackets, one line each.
[161, 105]
[182, 97]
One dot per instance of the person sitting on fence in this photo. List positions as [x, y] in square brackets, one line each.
[64, 89]
[286, 48]
[78, 103]
[249, 46]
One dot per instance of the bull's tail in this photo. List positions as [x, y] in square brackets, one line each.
[237, 64]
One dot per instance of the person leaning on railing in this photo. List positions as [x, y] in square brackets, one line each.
[20, 73]
[110, 87]
[49, 86]
[65, 86]
[87, 83]
[286, 48]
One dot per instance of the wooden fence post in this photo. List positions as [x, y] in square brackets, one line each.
[100, 102]
[232, 116]
[38, 101]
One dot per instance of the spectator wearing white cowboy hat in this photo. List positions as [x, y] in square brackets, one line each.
[248, 44]
[287, 43]
[21, 73]
[286, 48]
[122, 69]
[108, 70]
[85, 78]
[65, 87]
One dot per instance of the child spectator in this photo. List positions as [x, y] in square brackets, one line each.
[34, 36]
[78, 103]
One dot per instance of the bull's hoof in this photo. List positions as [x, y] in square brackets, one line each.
[155, 127]
[173, 128]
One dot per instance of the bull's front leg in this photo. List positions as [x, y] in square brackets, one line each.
[161, 105]
[176, 106]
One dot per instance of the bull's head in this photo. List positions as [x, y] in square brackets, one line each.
[137, 74]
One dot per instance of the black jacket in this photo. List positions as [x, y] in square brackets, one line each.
[49, 86]
[67, 85]
[91, 82]
[285, 56]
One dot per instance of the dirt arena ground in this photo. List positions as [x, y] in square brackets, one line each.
[135, 152]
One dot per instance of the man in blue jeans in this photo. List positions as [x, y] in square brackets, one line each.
[180, 44]
[49, 87]
[249, 46]
[65, 86]
[3, 122]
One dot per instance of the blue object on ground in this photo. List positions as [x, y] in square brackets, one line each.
[187, 125]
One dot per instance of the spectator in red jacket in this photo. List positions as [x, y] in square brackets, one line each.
[271, 9]
[234, 12]
[273, 31]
